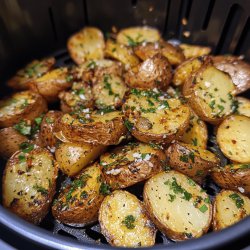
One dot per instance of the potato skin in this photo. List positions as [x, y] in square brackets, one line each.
[35, 106]
[33, 205]
[154, 72]
[10, 141]
[188, 160]
[191, 51]
[83, 209]
[124, 167]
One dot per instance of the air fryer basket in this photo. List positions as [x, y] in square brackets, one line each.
[33, 29]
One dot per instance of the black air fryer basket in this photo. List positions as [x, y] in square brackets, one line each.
[34, 29]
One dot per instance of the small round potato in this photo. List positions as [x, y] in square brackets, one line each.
[190, 160]
[124, 222]
[20, 106]
[229, 208]
[233, 138]
[243, 106]
[127, 165]
[191, 51]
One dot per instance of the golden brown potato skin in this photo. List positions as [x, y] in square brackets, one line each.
[10, 141]
[124, 167]
[155, 72]
[35, 207]
[234, 177]
[29, 112]
[30, 72]
[185, 159]
[191, 51]
[238, 69]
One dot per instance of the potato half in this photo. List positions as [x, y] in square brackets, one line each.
[177, 205]
[243, 106]
[73, 157]
[87, 44]
[233, 138]
[29, 183]
[233, 177]
[124, 222]
[152, 117]
[30, 72]
[190, 160]
[97, 127]
[229, 208]
[126, 165]
[78, 203]
[210, 93]
[20, 106]
[155, 72]
[191, 51]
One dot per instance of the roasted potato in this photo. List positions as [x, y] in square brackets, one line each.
[78, 203]
[177, 205]
[124, 222]
[20, 106]
[237, 69]
[174, 54]
[29, 183]
[233, 138]
[30, 72]
[126, 165]
[47, 129]
[73, 157]
[186, 69]
[152, 117]
[229, 208]
[196, 133]
[121, 53]
[210, 93]
[136, 35]
[96, 128]
[10, 141]
[192, 161]
[233, 177]
[52, 83]
[243, 106]
[191, 51]
[155, 72]
[87, 44]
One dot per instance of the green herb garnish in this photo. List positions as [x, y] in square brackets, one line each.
[104, 189]
[129, 221]
[239, 202]
[40, 189]
[23, 128]
[203, 208]
[26, 147]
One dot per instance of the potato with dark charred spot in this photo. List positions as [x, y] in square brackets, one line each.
[155, 72]
[30, 72]
[127, 165]
[192, 161]
[191, 51]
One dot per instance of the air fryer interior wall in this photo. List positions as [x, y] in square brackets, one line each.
[34, 29]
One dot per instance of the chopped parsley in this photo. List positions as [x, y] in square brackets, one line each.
[105, 110]
[207, 200]
[239, 202]
[171, 197]
[84, 194]
[91, 65]
[69, 78]
[184, 158]
[129, 125]
[235, 106]
[107, 84]
[26, 147]
[155, 146]
[244, 166]
[203, 208]
[129, 222]
[191, 182]
[195, 141]
[104, 189]
[134, 42]
[23, 128]
[41, 189]
[49, 120]
[211, 104]
[21, 158]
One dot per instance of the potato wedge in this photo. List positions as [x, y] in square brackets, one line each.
[243, 106]
[229, 208]
[191, 51]
[196, 133]
[238, 69]
[30, 72]
[233, 138]
[120, 52]
[96, 127]
[29, 183]
[124, 222]
[210, 93]
[87, 44]
[20, 106]
[127, 165]
[152, 117]
[133, 36]
[10, 141]
[188, 68]
[177, 205]
[78, 203]
[52, 83]
[73, 157]
[155, 72]
[234, 177]
[192, 161]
